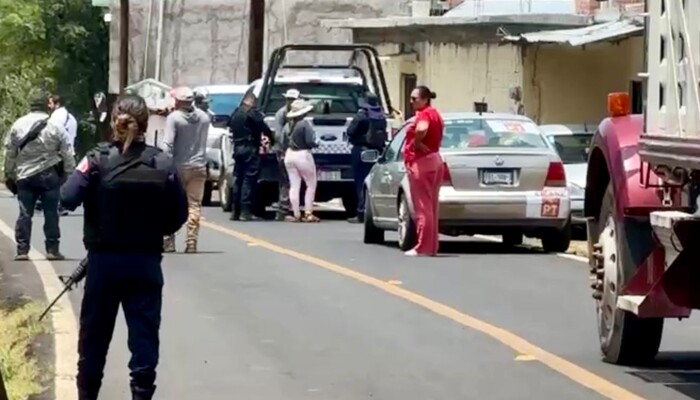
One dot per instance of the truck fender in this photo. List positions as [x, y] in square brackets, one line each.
[614, 155]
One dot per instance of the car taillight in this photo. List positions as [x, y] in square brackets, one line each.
[556, 177]
[446, 177]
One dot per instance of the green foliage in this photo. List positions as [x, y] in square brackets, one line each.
[59, 45]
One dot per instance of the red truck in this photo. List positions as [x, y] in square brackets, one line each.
[641, 202]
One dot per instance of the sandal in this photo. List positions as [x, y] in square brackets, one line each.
[311, 218]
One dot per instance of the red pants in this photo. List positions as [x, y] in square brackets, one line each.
[424, 178]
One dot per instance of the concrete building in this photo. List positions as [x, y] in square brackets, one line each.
[564, 72]
[205, 42]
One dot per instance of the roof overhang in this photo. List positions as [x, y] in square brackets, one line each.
[606, 32]
[405, 22]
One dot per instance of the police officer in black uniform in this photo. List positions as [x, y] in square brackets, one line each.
[132, 197]
[247, 125]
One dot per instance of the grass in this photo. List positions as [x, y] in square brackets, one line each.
[19, 329]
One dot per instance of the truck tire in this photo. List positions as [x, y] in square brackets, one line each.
[557, 240]
[408, 235]
[206, 198]
[372, 234]
[350, 203]
[624, 338]
[225, 195]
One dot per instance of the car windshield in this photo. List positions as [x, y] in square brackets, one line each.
[573, 149]
[327, 98]
[224, 103]
[478, 132]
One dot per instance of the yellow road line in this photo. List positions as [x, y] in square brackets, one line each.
[518, 344]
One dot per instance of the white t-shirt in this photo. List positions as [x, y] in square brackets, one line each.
[63, 118]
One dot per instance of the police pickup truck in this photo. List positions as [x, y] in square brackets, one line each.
[334, 90]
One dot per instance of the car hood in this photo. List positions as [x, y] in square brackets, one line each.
[576, 174]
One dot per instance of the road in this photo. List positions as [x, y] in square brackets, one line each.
[273, 310]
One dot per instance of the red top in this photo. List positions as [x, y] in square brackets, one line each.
[432, 139]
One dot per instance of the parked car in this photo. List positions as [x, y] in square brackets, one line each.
[501, 178]
[223, 99]
[572, 142]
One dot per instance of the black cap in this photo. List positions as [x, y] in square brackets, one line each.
[370, 100]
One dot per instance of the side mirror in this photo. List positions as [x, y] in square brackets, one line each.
[370, 156]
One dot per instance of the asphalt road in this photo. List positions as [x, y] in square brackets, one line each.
[306, 311]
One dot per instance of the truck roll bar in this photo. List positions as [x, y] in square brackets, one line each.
[371, 53]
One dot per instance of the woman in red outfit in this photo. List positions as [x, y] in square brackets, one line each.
[424, 167]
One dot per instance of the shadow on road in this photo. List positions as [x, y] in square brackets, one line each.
[675, 370]
[454, 247]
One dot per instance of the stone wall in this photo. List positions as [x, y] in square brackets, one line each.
[206, 43]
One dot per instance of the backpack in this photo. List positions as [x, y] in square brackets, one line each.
[376, 136]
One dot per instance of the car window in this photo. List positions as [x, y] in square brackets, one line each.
[477, 132]
[224, 103]
[393, 151]
[573, 149]
[327, 98]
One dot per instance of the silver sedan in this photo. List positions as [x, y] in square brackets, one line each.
[502, 177]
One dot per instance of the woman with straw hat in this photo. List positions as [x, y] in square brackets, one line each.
[299, 161]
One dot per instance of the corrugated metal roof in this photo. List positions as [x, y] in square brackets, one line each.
[581, 36]
[469, 8]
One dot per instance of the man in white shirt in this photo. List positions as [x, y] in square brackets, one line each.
[61, 117]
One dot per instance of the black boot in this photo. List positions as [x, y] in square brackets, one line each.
[85, 395]
[138, 393]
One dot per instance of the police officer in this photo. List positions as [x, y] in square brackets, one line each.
[247, 125]
[132, 197]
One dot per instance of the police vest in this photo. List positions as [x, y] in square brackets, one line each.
[125, 210]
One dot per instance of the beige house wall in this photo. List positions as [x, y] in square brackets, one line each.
[565, 84]
[460, 74]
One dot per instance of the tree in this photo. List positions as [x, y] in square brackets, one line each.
[69, 54]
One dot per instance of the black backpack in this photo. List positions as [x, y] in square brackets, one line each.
[376, 136]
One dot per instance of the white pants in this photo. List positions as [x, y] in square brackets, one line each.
[300, 165]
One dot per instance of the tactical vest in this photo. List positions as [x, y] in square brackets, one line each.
[125, 210]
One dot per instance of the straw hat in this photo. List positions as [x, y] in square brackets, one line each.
[299, 108]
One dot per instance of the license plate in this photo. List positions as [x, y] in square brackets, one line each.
[550, 207]
[497, 178]
[329, 175]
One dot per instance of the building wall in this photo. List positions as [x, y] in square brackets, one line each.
[564, 84]
[205, 42]
[460, 74]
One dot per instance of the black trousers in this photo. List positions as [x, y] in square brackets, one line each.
[134, 281]
[246, 170]
[44, 186]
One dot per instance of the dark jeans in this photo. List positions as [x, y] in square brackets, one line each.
[284, 204]
[134, 280]
[360, 170]
[245, 177]
[44, 186]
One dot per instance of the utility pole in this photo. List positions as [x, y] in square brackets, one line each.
[256, 39]
[123, 45]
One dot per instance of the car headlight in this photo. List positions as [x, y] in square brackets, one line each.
[576, 190]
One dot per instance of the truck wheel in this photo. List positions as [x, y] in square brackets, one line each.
[408, 236]
[350, 203]
[512, 239]
[372, 234]
[624, 337]
[557, 240]
[206, 198]
[225, 196]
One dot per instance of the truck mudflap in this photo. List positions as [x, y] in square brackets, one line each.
[665, 284]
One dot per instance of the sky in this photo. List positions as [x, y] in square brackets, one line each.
[495, 7]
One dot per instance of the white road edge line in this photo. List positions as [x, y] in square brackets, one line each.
[333, 207]
[64, 323]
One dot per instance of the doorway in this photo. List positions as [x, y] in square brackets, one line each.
[408, 83]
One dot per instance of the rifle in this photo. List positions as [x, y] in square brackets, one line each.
[69, 282]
